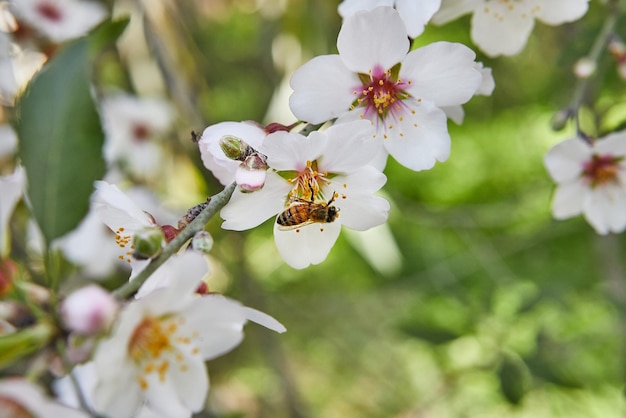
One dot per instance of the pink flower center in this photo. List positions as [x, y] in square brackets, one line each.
[49, 11]
[308, 184]
[140, 132]
[601, 170]
[381, 93]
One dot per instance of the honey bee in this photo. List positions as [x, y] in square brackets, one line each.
[305, 212]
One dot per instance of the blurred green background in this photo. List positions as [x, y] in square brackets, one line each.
[471, 302]
[474, 302]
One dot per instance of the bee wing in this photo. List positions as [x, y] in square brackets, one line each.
[296, 226]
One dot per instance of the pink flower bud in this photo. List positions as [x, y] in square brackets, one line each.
[89, 310]
[250, 180]
[584, 67]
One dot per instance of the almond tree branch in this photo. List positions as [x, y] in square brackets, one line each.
[216, 203]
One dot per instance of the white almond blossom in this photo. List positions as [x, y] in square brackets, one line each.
[123, 217]
[376, 78]
[133, 127]
[591, 180]
[223, 168]
[59, 20]
[157, 349]
[21, 398]
[329, 168]
[414, 13]
[502, 27]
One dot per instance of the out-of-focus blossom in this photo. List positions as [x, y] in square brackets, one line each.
[156, 352]
[8, 141]
[591, 180]
[89, 310]
[133, 128]
[59, 20]
[85, 376]
[17, 67]
[502, 27]
[324, 177]
[20, 398]
[414, 13]
[401, 93]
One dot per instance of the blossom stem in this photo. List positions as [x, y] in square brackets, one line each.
[216, 203]
[309, 127]
[597, 48]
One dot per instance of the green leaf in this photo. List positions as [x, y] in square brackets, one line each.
[514, 378]
[60, 135]
[24, 342]
[106, 34]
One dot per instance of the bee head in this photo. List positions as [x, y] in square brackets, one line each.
[333, 212]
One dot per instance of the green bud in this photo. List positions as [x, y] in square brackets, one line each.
[234, 148]
[202, 241]
[148, 242]
[560, 118]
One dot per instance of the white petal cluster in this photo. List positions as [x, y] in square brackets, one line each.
[156, 352]
[502, 27]
[591, 180]
[414, 14]
[328, 167]
[375, 77]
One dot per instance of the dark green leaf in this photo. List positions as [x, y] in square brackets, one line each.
[60, 135]
[514, 378]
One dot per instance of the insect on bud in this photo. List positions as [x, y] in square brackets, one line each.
[148, 242]
[202, 241]
[234, 148]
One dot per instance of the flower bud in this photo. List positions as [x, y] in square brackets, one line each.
[8, 270]
[89, 310]
[250, 179]
[148, 242]
[234, 148]
[202, 241]
[560, 118]
[584, 67]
